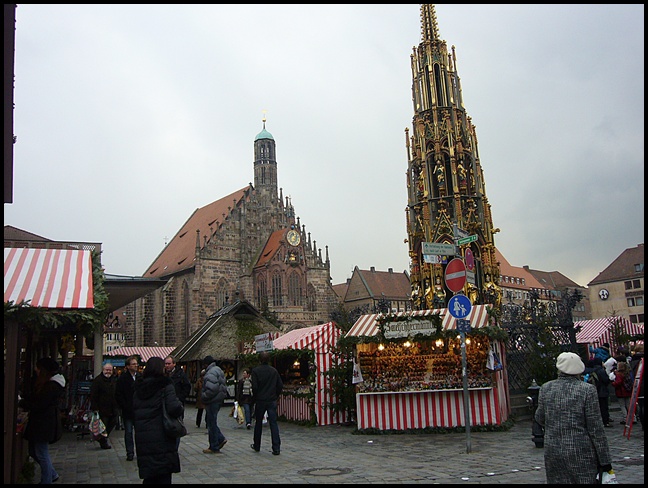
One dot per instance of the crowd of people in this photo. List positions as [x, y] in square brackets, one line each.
[136, 399]
[572, 411]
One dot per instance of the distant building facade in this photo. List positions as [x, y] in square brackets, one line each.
[619, 289]
[374, 289]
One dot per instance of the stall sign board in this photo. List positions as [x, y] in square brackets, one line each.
[459, 306]
[264, 342]
[404, 328]
[455, 275]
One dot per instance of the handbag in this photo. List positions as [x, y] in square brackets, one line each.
[174, 428]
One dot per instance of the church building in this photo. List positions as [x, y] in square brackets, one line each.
[247, 245]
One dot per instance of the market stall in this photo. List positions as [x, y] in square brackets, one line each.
[411, 370]
[599, 331]
[300, 399]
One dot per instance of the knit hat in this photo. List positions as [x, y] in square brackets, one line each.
[48, 364]
[570, 363]
[606, 345]
[207, 361]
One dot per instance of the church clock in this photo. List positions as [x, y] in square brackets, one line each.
[293, 237]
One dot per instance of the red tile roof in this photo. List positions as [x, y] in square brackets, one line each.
[180, 253]
[271, 247]
[393, 286]
[506, 269]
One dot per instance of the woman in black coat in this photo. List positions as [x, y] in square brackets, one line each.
[157, 454]
[44, 425]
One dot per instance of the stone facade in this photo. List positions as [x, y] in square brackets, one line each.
[239, 250]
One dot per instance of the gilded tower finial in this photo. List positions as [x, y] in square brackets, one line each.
[429, 27]
[264, 117]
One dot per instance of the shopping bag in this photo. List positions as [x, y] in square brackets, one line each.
[235, 411]
[608, 478]
[240, 414]
[96, 426]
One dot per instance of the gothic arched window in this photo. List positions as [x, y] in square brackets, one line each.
[294, 289]
[277, 296]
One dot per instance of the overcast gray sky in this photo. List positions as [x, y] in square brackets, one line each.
[129, 117]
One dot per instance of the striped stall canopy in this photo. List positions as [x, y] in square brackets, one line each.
[145, 353]
[320, 339]
[600, 331]
[416, 410]
[367, 325]
[49, 278]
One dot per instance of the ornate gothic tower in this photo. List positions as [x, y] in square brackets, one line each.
[445, 183]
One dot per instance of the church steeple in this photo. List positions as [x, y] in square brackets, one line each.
[446, 189]
[265, 164]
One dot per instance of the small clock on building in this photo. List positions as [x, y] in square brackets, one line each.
[293, 237]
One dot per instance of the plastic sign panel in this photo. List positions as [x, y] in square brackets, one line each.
[455, 275]
[459, 306]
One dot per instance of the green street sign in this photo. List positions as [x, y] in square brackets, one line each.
[467, 240]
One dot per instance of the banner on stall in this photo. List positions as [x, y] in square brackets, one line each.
[404, 328]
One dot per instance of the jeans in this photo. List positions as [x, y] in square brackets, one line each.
[128, 436]
[40, 452]
[259, 410]
[199, 416]
[247, 408]
[216, 437]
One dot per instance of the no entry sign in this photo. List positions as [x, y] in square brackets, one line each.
[455, 275]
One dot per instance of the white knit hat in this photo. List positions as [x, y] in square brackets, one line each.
[570, 363]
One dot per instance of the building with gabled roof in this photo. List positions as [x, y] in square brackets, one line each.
[558, 284]
[618, 290]
[247, 244]
[370, 287]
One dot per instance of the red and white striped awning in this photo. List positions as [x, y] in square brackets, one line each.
[316, 338]
[49, 278]
[367, 325]
[599, 331]
[145, 353]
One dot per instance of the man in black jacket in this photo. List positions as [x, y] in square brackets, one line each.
[179, 379]
[180, 382]
[102, 399]
[266, 387]
[124, 396]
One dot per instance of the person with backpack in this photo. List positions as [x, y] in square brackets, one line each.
[596, 375]
[623, 382]
[602, 352]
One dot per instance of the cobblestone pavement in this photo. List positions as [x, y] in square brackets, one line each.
[333, 454]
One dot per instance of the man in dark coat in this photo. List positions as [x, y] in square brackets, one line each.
[102, 399]
[179, 379]
[157, 453]
[124, 396]
[266, 387]
[213, 395]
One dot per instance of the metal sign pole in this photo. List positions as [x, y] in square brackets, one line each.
[464, 373]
